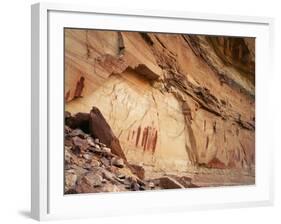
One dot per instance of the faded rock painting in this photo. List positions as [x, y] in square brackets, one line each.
[151, 111]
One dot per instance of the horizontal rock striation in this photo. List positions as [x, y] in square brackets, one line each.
[179, 105]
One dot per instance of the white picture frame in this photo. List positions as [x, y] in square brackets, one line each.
[48, 201]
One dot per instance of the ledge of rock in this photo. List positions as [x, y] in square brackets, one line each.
[170, 106]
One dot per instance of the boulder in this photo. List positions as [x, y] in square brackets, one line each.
[100, 129]
[168, 183]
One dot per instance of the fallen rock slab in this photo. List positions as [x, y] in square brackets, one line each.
[168, 183]
[100, 129]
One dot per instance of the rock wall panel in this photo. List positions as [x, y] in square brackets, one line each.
[177, 103]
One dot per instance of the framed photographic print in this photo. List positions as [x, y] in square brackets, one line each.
[148, 111]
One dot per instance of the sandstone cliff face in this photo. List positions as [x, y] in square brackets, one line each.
[177, 103]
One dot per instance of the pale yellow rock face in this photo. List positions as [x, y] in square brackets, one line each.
[132, 106]
[168, 106]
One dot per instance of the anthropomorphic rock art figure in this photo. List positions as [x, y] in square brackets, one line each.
[79, 87]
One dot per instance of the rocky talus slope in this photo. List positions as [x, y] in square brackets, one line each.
[176, 106]
[91, 166]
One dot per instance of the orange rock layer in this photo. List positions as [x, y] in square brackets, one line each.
[177, 103]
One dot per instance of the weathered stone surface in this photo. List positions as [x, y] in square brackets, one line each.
[95, 163]
[138, 171]
[88, 156]
[95, 168]
[105, 161]
[183, 104]
[79, 120]
[100, 129]
[107, 150]
[117, 162]
[77, 132]
[82, 144]
[93, 179]
[151, 185]
[70, 180]
[169, 183]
